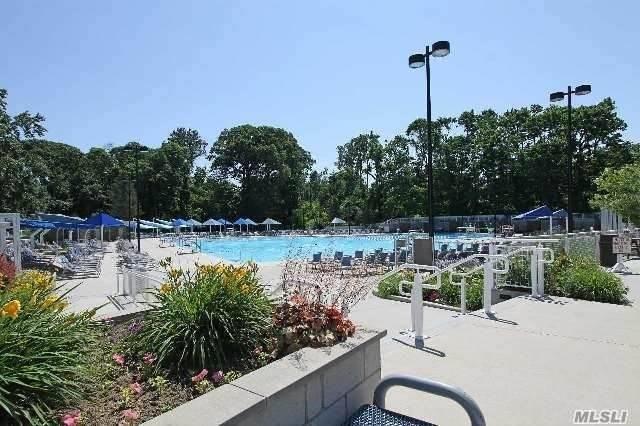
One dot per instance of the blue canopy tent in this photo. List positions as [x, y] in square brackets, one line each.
[211, 222]
[36, 224]
[192, 222]
[241, 222]
[248, 222]
[103, 220]
[179, 223]
[537, 213]
[542, 212]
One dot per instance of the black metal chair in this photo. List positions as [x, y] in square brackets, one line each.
[376, 415]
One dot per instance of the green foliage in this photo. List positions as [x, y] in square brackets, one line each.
[44, 353]
[581, 277]
[448, 293]
[619, 191]
[207, 319]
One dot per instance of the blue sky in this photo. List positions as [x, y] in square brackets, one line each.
[115, 71]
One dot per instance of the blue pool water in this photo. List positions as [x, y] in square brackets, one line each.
[275, 249]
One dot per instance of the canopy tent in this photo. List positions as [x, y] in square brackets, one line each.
[211, 222]
[179, 223]
[194, 222]
[156, 225]
[338, 221]
[268, 222]
[249, 222]
[36, 224]
[103, 220]
[538, 212]
[54, 217]
[240, 222]
[560, 213]
[224, 221]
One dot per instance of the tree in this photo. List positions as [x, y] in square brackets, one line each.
[267, 164]
[194, 146]
[618, 190]
[22, 191]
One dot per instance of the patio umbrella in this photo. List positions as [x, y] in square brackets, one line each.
[268, 222]
[224, 222]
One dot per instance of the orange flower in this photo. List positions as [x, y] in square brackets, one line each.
[11, 309]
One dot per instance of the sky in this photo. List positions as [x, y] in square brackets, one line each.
[109, 72]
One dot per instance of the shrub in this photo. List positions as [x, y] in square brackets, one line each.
[450, 293]
[7, 271]
[390, 285]
[208, 318]
[581, 277]
[44, 351]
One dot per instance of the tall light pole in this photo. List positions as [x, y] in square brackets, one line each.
[418, 60]
[137, 149]
[584, 89]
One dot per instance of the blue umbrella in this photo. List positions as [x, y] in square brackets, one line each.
[179, 223]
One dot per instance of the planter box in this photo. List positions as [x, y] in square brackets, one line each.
[322, 386]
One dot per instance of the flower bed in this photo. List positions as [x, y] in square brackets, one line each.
[206, 328]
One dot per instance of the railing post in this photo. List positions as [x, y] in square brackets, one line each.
[534, 271]
[463, 296]
[540, 271]
[416, 310]
[488, 286]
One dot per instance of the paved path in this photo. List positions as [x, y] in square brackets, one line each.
[534, 365]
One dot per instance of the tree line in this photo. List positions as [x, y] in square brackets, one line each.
[484, 163]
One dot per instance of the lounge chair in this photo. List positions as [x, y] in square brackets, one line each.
[315, 261]
[346, 265]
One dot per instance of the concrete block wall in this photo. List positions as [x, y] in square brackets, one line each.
[321, 386]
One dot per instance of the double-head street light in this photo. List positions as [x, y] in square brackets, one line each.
[137, 149]
[418, 60]
[584, 89]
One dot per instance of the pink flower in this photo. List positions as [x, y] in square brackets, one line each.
[71, 418]
[130, 415]
[136, 387]
[200, 376]
[149, 358]
[118, 359]
[217, 376]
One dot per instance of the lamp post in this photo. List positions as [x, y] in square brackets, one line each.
[584, 89]
[129, 209]
[418, 60]
[137, 149]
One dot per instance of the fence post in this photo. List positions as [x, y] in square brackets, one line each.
[416, 310]
[534, 271]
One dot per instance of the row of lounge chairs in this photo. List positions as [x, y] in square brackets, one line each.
[360, 263]
[71, 260]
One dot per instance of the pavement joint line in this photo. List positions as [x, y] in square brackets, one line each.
[545, 333]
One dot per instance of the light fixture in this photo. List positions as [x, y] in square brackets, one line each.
[556, 96]
[584, 89]
[440, 49]
[417, 60]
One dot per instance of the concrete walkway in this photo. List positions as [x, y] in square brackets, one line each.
[534, 365]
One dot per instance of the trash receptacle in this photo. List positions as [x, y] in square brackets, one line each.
[607, 256]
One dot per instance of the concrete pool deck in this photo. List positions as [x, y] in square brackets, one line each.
[536, 363]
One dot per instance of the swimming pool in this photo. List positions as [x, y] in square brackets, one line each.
[275, 249]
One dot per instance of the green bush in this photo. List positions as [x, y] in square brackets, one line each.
[44, 352]
[581, 277]
[389, 286]
[450, 293]
[207, 319]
